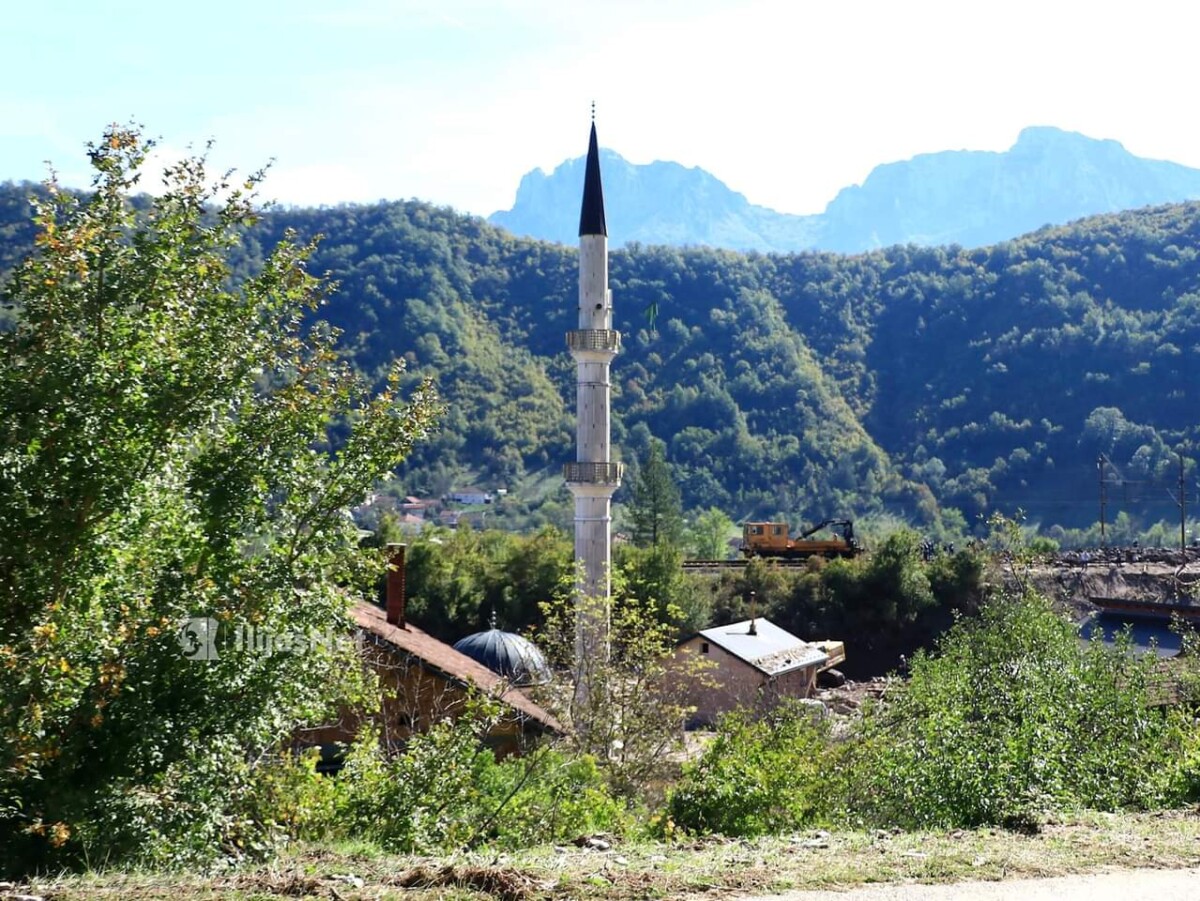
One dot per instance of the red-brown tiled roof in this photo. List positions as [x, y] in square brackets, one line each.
[456, 666]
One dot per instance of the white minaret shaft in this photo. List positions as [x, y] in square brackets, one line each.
[593, 477]
[595, 316]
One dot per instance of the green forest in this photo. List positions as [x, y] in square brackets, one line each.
[937, 386]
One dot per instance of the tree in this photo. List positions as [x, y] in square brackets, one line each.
[655, 507]
[165, 485]
[709, 535]
[631, 718]
[654, 578]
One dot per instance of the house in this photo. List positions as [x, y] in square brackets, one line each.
[469, 496]
[369, 511]
[413, 506]
[426, 680]
[753, 663]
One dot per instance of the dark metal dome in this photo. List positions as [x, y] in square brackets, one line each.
[506, 653]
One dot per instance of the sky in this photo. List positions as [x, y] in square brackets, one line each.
[452, 101]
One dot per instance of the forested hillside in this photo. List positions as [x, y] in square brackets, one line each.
[909, 380]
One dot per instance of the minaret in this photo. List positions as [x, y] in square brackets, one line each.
[594, 476]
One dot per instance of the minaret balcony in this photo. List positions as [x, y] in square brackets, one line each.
[595, 340]
[594, 473]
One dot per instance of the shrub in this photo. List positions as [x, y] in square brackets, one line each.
[422, 800]
[629, 716]
[445, 790]
[758, 775]
[549, 796]
[1013, 717]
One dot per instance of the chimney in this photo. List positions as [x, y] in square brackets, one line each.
[396, 597]
[753, 624]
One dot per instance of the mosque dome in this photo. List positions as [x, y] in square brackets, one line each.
[508, 654]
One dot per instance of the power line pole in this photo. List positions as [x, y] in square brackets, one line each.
[1182, 509]
[1103, 497]
[1181, 500]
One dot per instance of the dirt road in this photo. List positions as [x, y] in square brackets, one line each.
[1121, 885]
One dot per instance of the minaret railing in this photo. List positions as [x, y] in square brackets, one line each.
[594, 473]
[595, 339]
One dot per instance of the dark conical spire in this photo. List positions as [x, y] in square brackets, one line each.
[591, 216]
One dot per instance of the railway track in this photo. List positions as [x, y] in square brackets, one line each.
[1067, 559]
[720, 565]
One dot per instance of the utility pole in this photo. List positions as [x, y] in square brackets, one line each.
[1182, 509]
[1181, 501]
[1103, 498]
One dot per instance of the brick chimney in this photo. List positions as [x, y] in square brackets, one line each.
[396, 597]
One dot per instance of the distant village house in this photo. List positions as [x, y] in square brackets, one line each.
[413, 506]
[469, 496]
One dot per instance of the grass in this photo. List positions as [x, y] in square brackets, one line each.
[644, 870]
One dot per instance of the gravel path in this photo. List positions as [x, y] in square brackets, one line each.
[1121, 885]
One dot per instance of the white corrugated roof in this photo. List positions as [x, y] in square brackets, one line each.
[773, 650]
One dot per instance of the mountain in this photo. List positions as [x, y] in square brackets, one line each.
[659, 203]
[970, 198]
[974, 198]
[936, 384]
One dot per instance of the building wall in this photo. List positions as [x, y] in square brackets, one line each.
[728, 682]
[414, 698]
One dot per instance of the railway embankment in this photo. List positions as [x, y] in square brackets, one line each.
[1079, 579]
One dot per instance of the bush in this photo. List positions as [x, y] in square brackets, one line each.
[1015, 717]
[635, 698]
[422, 800]
[445, 790]
[550, 796]
[759, 775]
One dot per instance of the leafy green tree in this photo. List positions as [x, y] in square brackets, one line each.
[709, 534]
[458, 578]
[653, 577]
[654, 508]
[165, 481]
[631, 719]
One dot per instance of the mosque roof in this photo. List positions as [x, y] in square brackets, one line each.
[455, 666]
[507, 654]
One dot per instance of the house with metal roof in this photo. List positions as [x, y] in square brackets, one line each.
[753, 663]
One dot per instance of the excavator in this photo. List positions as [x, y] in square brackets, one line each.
[772, 539]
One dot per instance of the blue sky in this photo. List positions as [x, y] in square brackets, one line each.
[452, 101]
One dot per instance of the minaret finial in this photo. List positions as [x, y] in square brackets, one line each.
[493, 618]
[593, 112]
